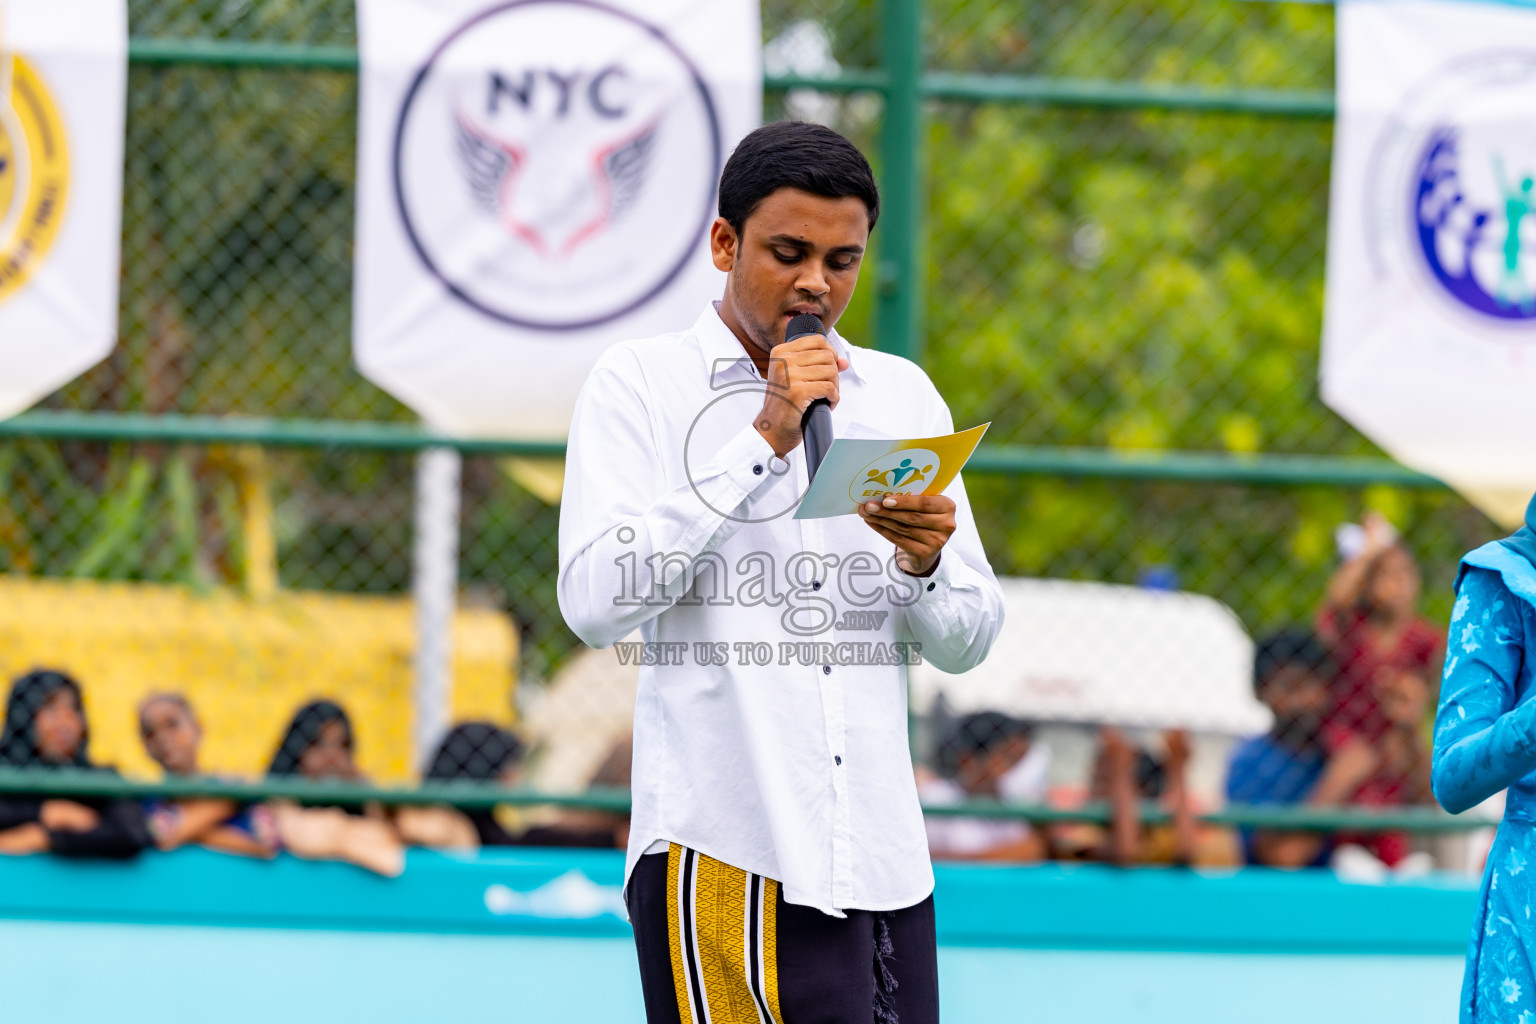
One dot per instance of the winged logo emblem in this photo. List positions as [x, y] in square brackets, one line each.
[545, 194]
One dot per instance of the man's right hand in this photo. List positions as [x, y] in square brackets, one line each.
[799, 372]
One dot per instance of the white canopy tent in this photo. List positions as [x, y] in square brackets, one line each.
[1103, 654]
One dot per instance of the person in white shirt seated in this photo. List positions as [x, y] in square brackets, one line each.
[986, 756]
[777, 867]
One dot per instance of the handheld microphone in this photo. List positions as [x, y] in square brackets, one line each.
[816, 424]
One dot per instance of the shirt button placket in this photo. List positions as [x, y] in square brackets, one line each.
[813, 538]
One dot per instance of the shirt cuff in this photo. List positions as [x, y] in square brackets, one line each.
[743, 464]
[748, 461]
[935, 586]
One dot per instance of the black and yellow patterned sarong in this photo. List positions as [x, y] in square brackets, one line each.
[718, 945]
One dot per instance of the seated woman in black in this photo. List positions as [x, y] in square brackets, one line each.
[484, 752]
[317, 745]
[45, 728]
[471, 752]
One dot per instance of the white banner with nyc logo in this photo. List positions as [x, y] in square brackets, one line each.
[63, 82]
[536, 181]
[1429, 340]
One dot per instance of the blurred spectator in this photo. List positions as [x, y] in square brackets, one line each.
[471, 752]
[1370, 622]
[45, 729]
[595, 828]
[1294, 677]
[477, 751]
[486, 753]
[987, 755]
[317, 745]
[1400, 760]
[1125, 775]
[1388, 659]
[1299, 761]
[172, 736]
[1405, 696]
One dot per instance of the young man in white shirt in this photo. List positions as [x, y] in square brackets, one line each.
[777, 868]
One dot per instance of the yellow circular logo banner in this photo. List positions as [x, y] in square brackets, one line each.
[34, 173]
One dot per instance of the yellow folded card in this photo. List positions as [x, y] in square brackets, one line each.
[857, 470]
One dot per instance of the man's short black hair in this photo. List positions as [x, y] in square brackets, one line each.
[799, 155]
[1293, 646]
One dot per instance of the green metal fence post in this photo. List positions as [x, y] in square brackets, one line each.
[899, 300]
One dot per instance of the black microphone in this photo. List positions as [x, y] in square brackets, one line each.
[816, 424]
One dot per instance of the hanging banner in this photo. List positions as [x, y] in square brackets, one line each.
[536, 181]
[63, 85]
[1429, 338]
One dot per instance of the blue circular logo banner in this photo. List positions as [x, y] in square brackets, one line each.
[1462, 154]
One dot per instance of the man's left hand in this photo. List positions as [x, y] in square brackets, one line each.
[918, 524]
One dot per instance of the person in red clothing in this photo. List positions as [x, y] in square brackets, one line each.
[1370, 622]
[1388, 658]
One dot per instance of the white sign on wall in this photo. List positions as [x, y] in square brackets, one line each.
[536, 181]
[1429, 340]
[63, 86]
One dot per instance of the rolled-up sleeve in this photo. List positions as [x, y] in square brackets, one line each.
[626, 539]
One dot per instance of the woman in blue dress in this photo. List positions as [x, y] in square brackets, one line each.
[1485, 741]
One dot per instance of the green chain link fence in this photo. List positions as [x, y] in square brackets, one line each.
[1105, 233]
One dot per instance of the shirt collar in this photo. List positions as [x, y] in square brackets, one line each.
[727, 361]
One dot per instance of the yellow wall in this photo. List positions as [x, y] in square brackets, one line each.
[245, 664]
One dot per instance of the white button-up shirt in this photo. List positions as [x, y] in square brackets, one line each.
[771, 714]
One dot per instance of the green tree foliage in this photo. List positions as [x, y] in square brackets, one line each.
[1142, 280]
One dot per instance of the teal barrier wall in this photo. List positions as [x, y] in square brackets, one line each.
[537, 936]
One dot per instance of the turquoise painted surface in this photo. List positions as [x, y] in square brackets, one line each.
[576, 893]
[536, 936]
[1004, 985]
[61, 973]
[1251, 910]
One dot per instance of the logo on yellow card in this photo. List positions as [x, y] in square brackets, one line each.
[908, 471]
[34, 173]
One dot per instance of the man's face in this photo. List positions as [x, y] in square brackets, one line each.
[797, 253]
